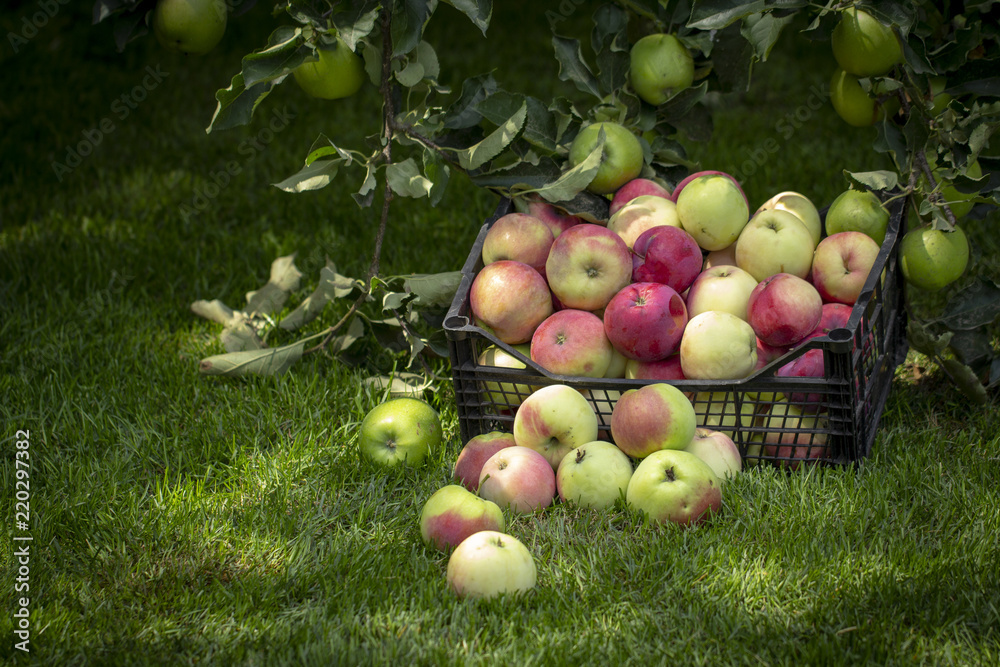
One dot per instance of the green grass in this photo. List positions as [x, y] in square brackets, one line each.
[179, 519]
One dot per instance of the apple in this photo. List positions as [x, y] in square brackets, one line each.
[724, 257]
[719, 411]
[469, 464]
[587, 265]
[810, 364]
[400, 431]
[453, 513]
[521, 237]
[662, 369]
[518, 478]
[666, 255]
[621, 158]
[572, 342]
[511, 298]
[863, 46]
[938, 100]
[790, 433]
[593, 475]
[554, 420]
[489, 563]
[783, 309]
[618, 364]
[339, 72]
[507, 394]
[660, 66]
[852, 102]
[835, 316]
[637, 187]
[841, 264]
[708, 172]
[724, 288]
[718, 346]
[858, 211]
[775, 241]
[717, 450]
[933, 258]
[801, 207]
[645, 321]
[713, 209]
[959, 202]
[556, 219]
[192, 27]
[640, 214]
[672, 485]
[656, 416]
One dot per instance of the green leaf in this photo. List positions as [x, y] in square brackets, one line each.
[356, 24]
[975, 306]
[479, 154]
[394, 300]
[539, 126]
[479, 11]
[408, 20]
[331, 286]
[286, 49]
[406, 180]
[313, 176]
[965, 379]
[272, 296]
[762, 31]
[433, 289]
[237, 103]
[366, 193]
[270, 361]
[577, 178]
[923, 340]
[718, 14]
[572, 66]
[437, 172]
[464, 112]
[410, 75]
[873, 180]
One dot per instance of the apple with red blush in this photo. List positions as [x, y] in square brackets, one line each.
[475, 453]
[510, 298]
[572, 342]
[841, 264]
[646, 321]
[637, 187]
[518, 236]
[667, 255]
[783, 309]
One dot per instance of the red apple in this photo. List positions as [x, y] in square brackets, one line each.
[667, 255]
[587, 265]
[841, 264]
[518, 478]
[520, 237]
[783, 309]
[556, 219]
[656, 416]
[510, 298]
[572, 342]
[645, 321]
[475, 453]
[809, 365]
[637, 187]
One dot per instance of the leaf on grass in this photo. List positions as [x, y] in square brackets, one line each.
[355, 331]
[213, 310]
[331, 286]
[975, 306]
[239, 335]
[965, 379]
[271, 361]
[272, 296]
[479, 154]
[399, 385]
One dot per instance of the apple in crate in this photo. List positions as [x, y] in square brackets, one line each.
[554, 420]
[662, 369]
[783, 309]
[475, 453]
[835, 316]
[453, 513]
[489, 563]
[791, 433]
[801, 207]
[718, 346]
[841, 264]
[645, 321]
[673, 485]
[773, 242]
[518, 478]
[717, 450]
[724, 288]
[400, 431]
[724, 257]
[637, 187]
[713, 209]
[572, 342]
[642, 214]
[555, 219]
[667, 255]
[593, 475]
[510, 298]
[587, 265]
[708, 172]
[656, 416]
[505, 394]
[809, 365]
[719, 411]
[520, 237]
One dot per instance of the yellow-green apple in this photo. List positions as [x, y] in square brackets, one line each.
[662, 369]
[645, 321]
[809, 365]
[400, 431]
[938, 100]
[857, 211]
[724, 257]
[637, 187]
[518, 478]
[621, 157]
[864, 46]
[339, 72]
[660, 66]
[718, 346]
[852, 102]
[618, 363]
[667, 255]
[504, 394]
[641, 214]
[717, 450]
[520, 237]
[572, 342]
[933, 258]
[554, 420]
[841, 264]
[489, 563]
[653, 417]
[801, 207]
[793, 435]
[453, 513]
[593, 475]
[557, 220]
[959, 202]
[707, 172]
[773, 242]
[673, 485]
[719, 411]
[193, 27]
[783, 309]
[511, 298]
[713, 209]
[725, 288]
[475, 453]
[587, 265]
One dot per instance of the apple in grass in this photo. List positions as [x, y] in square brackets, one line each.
[587, 265]
[673, 485]
[520, 237]
[801, 207]
[554, 218]
[489, 563]
[775, 241]
[841, 264]
[724, 288]
[594, 475]
[784, 309]
[518, 478]
[510, 298]
[717, 450]
[645, 321]
[713, 209]
[475, 453]
[666, 255]
[453, 513]
[718, 346]
[621, 156]
[656, 416]
[554, 420]
[399, 432]
[641, 214]
[637, 187]
[572, 342]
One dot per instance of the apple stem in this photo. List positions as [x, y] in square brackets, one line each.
[671, 477]
[934, 194]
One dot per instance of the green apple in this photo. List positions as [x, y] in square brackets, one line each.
[939, 99]
[858, 211]
[401, 431]
[453, 513]
[593, 475]
[801, 207]
[489, 563]
[660, 67]
[932, 258]
[338, 73]
[193, 27]
[774, 241]
[674, 485]
[852, 102]
[863, 46]
[718, 346]
[621, 160]
[504, 394]
[960, 203]
[713, 210]
[717, 450]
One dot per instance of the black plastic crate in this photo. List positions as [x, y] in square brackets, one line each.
[833, 419]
